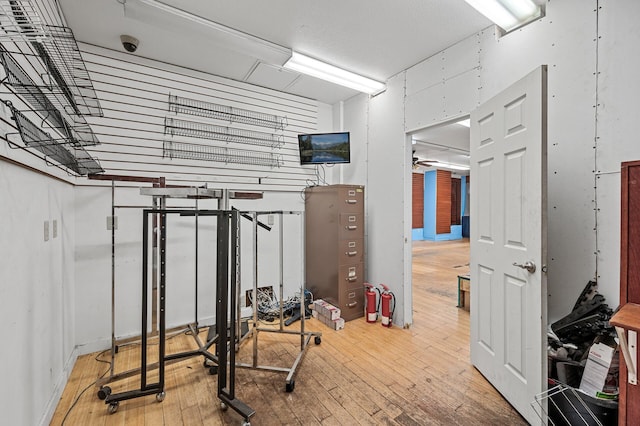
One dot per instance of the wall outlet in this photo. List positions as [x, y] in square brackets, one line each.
[54, 225]
[46, 230]
[112, 223]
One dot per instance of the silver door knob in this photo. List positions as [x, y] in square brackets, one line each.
[528, 265]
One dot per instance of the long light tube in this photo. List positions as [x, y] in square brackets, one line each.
[324, 71]
[507, 14]
[447, 165]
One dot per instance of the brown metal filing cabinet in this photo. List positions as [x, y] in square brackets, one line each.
[334, 246]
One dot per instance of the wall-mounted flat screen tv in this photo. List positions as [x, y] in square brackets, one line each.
[324, 148]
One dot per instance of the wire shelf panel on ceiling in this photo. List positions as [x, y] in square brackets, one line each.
[177, 127]
[77, 160]
[61, 64]
[20, 21]
[65, 67]
[190, 151]
[182, 105]
[44, 104]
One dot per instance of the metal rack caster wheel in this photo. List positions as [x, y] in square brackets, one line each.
[224, 406]
[113, 407]
[213, 370]
[247, 423]
[104, 392]
[317, 340]
[289, 387]
[160, 396]
[116, 348]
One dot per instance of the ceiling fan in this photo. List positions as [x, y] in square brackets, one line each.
[417, 161]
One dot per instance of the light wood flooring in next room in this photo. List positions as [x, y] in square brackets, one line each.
[365, 374]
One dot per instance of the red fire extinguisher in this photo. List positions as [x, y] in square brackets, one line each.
[388, 302]
[372, 308]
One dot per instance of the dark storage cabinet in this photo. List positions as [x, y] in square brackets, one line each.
[334, 246]
[629, 277]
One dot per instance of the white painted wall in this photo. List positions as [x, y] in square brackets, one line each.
[131, 133]
[386, 158]
[588, 47]
[36, 293]
[60, 289]
[56, 295]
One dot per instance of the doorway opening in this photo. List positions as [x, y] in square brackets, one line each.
[440, 225]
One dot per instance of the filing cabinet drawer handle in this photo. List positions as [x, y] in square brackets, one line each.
[351, 253]
[351, 227]
[352, 304]
[352, 279]
[351, 201]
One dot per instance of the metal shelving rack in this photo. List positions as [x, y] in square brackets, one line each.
[210, 131]
[177, 127]
[192, 151]
[182, 105]
[56, 86]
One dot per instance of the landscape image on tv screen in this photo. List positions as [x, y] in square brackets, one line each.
[324, 148]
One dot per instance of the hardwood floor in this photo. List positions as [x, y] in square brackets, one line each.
[365, 374]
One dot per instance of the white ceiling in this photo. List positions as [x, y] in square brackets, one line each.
[375, 38]
[447, 143]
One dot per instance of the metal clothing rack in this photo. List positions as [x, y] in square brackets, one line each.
[226, 294]
[305, 336]
[160, 192]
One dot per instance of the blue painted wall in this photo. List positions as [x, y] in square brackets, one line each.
[429, 215]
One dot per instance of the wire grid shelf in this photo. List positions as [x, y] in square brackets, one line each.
[20, 21]
[177, 127]
[61, 56]
[563, 405]
[189, 151]
[17, 77]
[61, 65]
[77, 160]
[181, 105]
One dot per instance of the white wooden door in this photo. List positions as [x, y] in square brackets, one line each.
[508, 228]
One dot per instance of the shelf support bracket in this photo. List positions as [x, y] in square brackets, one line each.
[629, 347]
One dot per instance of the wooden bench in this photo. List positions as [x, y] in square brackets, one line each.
[464, 291]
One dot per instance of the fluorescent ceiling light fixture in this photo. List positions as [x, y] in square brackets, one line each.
[324, 71]
[447, 165]
[507, 14]
[465, 123]
[221, 35]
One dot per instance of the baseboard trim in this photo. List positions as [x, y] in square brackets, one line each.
[56, 394]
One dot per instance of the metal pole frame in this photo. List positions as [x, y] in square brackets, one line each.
[226, 295]
[305, 337]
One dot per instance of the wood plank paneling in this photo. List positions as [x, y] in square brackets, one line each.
[365, 374]
[455, 201]
[443, 202]
[629, 277]
[417, 200]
